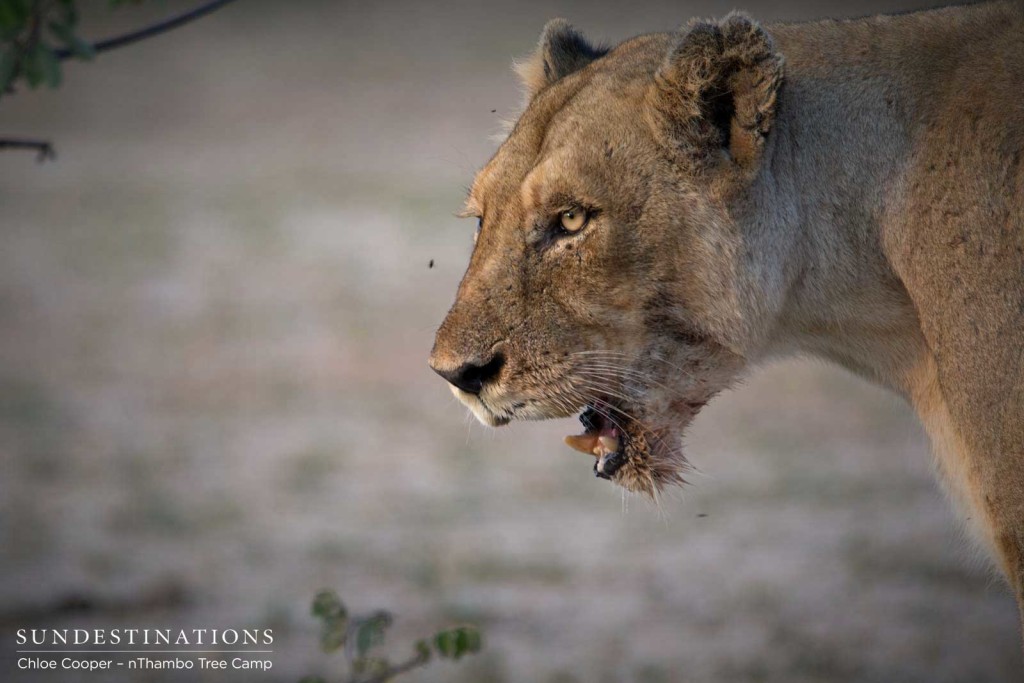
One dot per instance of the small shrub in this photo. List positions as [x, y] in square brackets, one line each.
[357, 636]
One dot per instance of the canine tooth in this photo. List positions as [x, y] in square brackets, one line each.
[609, 443]
[584, 443]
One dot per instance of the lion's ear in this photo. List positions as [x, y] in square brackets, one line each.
[717, 91]
[561, 51]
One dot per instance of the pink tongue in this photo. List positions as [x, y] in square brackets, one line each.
[601, 442]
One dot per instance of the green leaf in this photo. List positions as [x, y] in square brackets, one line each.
[370, 632]
[334, 634]
[8, 68]
[41, 66]
[329, 607]
[456, 642]
[10, 21]
[80, 48]
[444, 642]
[50, 67]
[14, 13]
[327, 604]
[423, 649]
[32, 65]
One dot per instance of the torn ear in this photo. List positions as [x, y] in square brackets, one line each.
[561, 51]
[715, 94]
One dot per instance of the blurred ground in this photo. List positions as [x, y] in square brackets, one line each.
[214, 398]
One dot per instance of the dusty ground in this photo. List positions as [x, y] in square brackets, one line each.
[214, 398]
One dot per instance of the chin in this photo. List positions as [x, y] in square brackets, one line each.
[479, 410]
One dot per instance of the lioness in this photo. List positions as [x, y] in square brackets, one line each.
[670, 212]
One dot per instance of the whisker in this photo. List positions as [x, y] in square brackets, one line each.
[618, 377]
[630, 373]
[624, 370]
[611, 381]
[608, 353]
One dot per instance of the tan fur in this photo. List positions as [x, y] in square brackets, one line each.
[849, 189]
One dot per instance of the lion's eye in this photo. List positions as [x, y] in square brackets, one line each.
[573, 220]
[479, 226]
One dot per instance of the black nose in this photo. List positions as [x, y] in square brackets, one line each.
[470, 377]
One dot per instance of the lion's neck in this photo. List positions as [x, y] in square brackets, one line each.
[805, 265]
[833, 173]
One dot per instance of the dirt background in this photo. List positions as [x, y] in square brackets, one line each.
[214, 398]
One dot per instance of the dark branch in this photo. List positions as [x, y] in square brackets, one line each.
[44, 149]
[150, 31]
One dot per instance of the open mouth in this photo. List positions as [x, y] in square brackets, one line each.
[602, 438]
[642, 456]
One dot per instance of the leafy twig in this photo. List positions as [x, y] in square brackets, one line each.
[356, 636]
[27, 28]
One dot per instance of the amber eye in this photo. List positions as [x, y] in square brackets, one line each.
[573, 220]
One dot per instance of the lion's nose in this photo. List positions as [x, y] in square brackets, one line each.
[471, 376]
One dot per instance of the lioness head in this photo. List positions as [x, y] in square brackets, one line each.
[603, 276]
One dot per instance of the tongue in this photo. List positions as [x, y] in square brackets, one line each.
[596, 443]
